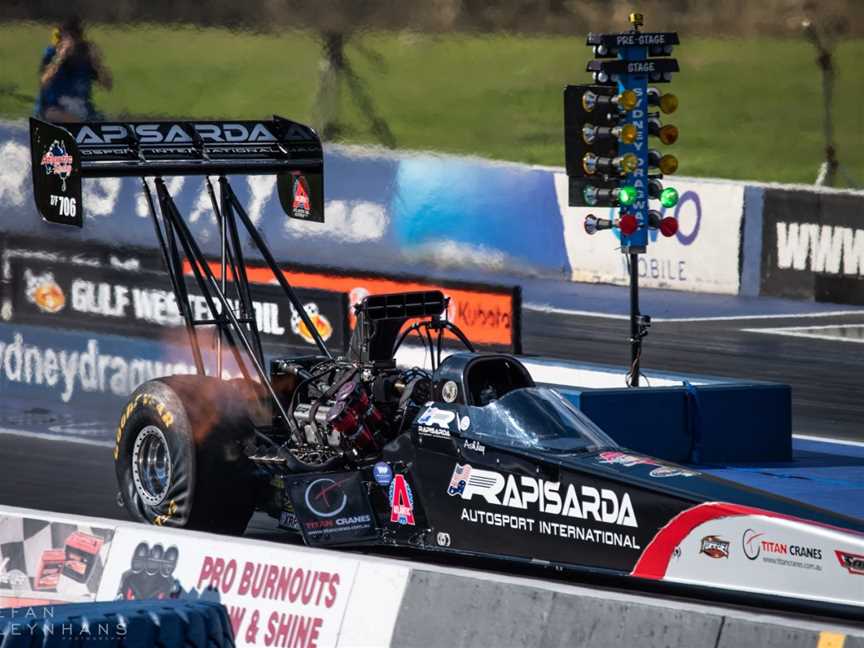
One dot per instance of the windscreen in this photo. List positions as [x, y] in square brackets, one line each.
[541, 419]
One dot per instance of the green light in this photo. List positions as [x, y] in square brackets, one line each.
[626, 195]
[669, 197]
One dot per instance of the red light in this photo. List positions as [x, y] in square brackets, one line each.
[668, 226]
[628, 224]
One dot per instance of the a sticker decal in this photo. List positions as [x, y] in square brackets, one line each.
[330, 509]
[288, 520]
[630, 460]
[853, 563]
[459, 479]
[436, 422]
[476, 446]
[671, 471]
[714, 547]
[449, 391]
[401, 501]
[752, 544]
[301, 205]
[56, 161]
[325, 497]
[382, 473]
[623, 459]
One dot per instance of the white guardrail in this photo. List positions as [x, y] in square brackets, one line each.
[288, 595]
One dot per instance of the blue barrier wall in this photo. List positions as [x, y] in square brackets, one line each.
[423, 213]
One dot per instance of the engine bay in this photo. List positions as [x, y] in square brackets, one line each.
[343, 409]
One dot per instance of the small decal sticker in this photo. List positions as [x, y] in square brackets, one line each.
[449, 391]
[714, 547]
[671, 471]
[624, 459]
[401, 501]
[325, 497]
[383, 473]
[301, 206]
[435, 422]
[56, 161]
[853, 563]
[459, 479]
[476, 446]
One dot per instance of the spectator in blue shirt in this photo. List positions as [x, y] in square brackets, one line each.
[67, 73]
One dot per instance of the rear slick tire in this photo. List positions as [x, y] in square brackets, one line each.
[179, 455]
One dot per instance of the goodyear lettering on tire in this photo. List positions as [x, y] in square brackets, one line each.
[141, 400]
[160, 520]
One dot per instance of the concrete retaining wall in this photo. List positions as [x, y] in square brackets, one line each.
[450, 610]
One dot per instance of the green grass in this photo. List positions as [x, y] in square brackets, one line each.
[750, 109]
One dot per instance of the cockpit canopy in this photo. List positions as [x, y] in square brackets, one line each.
[535, 418]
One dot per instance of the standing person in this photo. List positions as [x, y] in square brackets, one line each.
[66, 76]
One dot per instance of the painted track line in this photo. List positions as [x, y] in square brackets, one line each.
[65, 438]
[553, 310]
[804, 332]
[820, 439]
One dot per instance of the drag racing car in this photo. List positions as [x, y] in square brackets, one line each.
[468, 456]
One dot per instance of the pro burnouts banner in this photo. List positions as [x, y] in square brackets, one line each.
[813, 245]
[44, 562]
[275, 596]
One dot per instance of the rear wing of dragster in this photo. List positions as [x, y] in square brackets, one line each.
[64, 154]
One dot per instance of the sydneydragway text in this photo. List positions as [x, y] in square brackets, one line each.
[89, 369]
